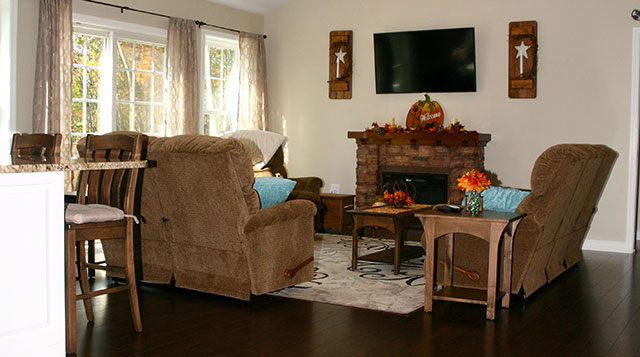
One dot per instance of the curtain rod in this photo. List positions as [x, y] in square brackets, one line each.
[122, 8]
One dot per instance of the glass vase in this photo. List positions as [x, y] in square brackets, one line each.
[474, 202]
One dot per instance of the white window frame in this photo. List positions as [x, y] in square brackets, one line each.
[219, 39]
[117, 30]
[105, 94]
[8, 45]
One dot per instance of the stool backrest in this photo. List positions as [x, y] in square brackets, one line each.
[114, 188]
[36, 145]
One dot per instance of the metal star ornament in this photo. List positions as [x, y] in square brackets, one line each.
[522, 52]
[339, 58]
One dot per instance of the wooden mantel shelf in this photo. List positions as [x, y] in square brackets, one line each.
[472, 138]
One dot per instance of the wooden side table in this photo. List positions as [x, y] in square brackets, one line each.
[335, 217]
[490, 226]
[395, 220]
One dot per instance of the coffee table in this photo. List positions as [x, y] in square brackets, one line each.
[490, 226]
[392, 219]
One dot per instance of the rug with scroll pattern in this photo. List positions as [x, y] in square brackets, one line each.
[373, 286]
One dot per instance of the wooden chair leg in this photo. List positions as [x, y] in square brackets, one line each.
[84, 280]
[91, 257]
[70, 291]
[129, 271]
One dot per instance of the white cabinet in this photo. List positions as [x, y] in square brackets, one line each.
[32, 264]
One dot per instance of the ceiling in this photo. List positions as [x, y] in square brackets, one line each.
[256, 6]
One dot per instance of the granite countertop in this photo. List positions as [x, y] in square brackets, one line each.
[43, 164]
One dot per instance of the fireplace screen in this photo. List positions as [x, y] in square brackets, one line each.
[430, 188]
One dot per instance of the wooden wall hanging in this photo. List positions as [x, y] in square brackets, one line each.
[340, 63]
[523, 59]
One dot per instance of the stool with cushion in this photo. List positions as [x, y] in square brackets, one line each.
[104, 211]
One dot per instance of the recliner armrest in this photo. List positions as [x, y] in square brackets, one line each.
[278, 213]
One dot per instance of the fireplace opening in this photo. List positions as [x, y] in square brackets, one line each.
[430, 188]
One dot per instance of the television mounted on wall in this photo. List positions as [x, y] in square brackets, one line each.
[442, 60]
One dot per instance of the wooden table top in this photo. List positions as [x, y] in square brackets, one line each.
[390, 210]
[485, 215]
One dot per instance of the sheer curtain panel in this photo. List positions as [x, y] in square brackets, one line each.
[52, 88]
[252, 101]
[182, 78]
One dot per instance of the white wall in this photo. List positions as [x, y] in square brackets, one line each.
[191, 9]
[8, 26]
[583, 86]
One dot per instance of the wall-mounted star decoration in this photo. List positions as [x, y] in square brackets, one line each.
[340, 62]
[523, 59]
[522, 53]
[339, 58]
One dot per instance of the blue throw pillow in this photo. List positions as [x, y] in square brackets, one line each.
[272, 190]
[502, 199]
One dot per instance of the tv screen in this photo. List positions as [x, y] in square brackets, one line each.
[425, 61]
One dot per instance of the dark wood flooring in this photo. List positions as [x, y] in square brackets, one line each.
[591, 310]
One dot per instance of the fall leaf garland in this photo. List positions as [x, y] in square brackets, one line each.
[456, 127]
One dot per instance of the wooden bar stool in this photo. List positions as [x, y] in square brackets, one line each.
[26, 146]
[104, 211]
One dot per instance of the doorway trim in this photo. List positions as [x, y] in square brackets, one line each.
[634, 144]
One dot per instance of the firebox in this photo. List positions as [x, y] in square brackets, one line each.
[430, 188]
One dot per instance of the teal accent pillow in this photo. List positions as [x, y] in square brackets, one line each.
[272, 190]
[502, 199]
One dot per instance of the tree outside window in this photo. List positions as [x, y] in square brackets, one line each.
[140, 83]
[220, 85]
[88, 58]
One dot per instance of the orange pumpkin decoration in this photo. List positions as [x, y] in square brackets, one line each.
[425, 112]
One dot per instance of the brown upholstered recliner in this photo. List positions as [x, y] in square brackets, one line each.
[566, 183]
[203, 226]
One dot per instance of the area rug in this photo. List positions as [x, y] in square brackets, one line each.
[373, 286]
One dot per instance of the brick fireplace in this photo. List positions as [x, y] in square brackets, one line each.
[448, 154]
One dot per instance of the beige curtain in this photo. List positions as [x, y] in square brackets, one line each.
[252, 101]
[183, 106]
[52, 97]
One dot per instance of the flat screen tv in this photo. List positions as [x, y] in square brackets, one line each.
[441, 60]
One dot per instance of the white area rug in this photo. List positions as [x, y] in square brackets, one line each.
[373, 286]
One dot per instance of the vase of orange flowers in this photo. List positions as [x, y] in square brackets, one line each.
[473, 182]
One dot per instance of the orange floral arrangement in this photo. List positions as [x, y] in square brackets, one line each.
[397, 197]
[473, 180]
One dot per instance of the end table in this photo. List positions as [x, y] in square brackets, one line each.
[490, 226]
[395, 220]
[335, 217]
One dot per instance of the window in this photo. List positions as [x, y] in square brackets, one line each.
[220, 83]
[118, 82]
[88, 60]
[140, 85]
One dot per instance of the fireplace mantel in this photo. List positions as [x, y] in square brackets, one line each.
[445, 153]
[471, 138]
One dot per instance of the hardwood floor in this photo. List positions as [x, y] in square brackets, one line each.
[592, 310]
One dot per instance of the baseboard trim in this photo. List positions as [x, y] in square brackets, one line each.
[606, 246]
